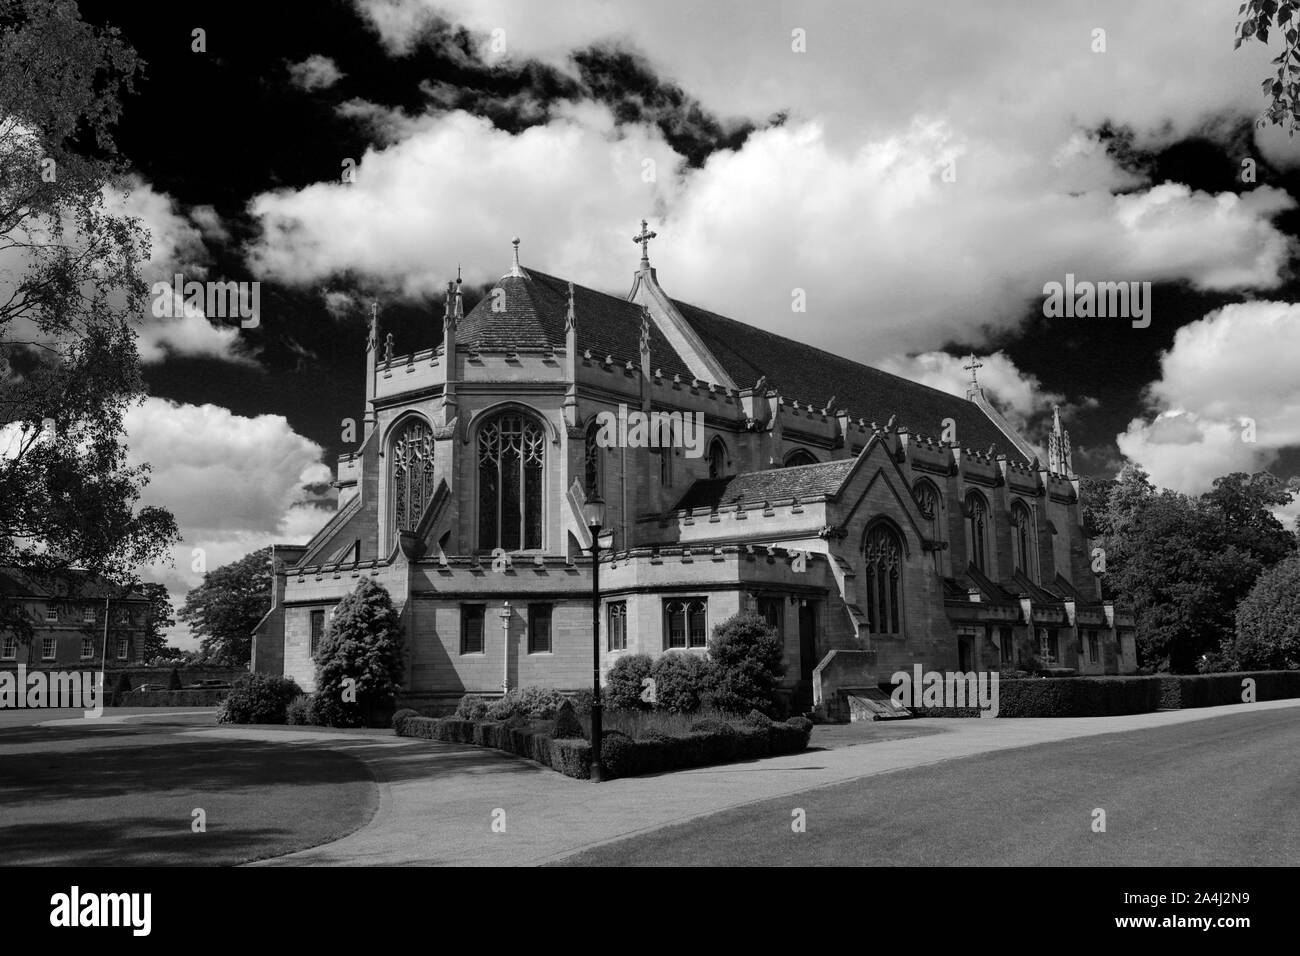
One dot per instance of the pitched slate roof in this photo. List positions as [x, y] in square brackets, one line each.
[809, 374]
[73, 583]
[776, 484]
[534, 309]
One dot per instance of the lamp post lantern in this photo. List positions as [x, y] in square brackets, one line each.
[593, 512]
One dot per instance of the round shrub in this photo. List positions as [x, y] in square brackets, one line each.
[758, 718]
[622, 689]
[472, 707]
[681, 681]
[400, 718]
[748, 660]
[617, 753]
[258, 699]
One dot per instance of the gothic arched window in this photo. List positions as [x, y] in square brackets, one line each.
[511, 451]
[591, 462]
[1022, 538]
[412, 470]
[800, 456]
[927, 502]
[884, 553]
[977, 529]
[717, 458]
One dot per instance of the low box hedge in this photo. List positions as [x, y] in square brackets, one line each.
[1078, 696]
[1113, 696]
[712, 743]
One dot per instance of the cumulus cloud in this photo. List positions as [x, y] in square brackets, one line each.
[235, 484]
[1018, 395]
[1227, 398]
[889, 251]
[176, 246]
[315, 73]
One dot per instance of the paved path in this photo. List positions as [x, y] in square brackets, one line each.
[438, 801]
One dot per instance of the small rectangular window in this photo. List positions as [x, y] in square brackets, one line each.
[9, 649]
[539, 629]
[87, 648]
[88, 615]
[471, 628]
[48, 646]
[685, 623]
[617, 626]
[51, 614]
[123, 649]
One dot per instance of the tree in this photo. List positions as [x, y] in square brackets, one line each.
[748, 664]
[70, 292]
[224, 609]
[158, 618]
[1183, 563]
[360, 666]
[1258, 17]
[1268, 622]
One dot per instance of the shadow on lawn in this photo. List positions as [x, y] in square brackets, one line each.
[141, 841]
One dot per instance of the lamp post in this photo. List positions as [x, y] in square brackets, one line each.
[593, 511]
[504, 614]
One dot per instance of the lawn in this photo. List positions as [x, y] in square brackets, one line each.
[121, 795]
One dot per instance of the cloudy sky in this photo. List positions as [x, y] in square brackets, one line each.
[919, 171]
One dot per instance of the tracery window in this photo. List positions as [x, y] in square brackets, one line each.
[977, 529]
[1022, 538]
[884, 554]
[511, 452]
[412, 465]
[717, 458]
[800, 456]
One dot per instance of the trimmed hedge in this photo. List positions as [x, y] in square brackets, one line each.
[170, 698]
[1078, 696]
[1213, 690]
[712, 742]
[570, 757]
[1114, 696]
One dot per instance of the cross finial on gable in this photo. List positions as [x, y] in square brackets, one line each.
[973, 366]
[644, 238]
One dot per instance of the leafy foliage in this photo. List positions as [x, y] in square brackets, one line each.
[158, 618]
[1268, 622]
[682, 681]
[622, 689]
[472, 707]
[530, 703]
[1183, 563]
[363, 643]
[567, 724]
[748, 664]
[70, 291]
[258, 699]
[224, 609]
[1258, 17]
